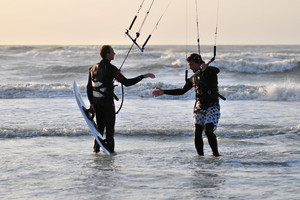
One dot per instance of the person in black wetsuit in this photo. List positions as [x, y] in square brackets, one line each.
[207, 107]
[100, 91]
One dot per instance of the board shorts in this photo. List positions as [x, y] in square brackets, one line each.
[211, 114]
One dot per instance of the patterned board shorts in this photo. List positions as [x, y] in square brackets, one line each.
[210, 115]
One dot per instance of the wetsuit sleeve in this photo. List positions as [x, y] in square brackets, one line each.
[125, 81]
[89, 89]
[180, 91]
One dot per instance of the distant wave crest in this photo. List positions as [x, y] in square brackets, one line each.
[256, 67]
[275, 92]
[34, 90]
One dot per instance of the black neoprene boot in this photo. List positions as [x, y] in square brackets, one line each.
[96, 146]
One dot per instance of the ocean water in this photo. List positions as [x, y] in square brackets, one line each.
[46, 148]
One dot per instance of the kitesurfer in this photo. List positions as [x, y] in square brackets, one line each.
[100, 91]
[207, 107]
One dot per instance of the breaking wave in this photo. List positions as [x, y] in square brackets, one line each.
[280, 92]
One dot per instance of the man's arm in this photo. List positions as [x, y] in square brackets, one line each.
[179, 91]
[131, 81]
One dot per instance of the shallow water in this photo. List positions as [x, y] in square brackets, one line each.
[46, 148]
[156, 167]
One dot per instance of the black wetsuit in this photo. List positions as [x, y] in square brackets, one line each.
[104, 106]
[206, 88]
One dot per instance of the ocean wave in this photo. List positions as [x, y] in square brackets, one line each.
[142, 64]
[35, 90]
[266, 163]
[42, 132]
[280, 92]
[247, 59]
[275, 92]
[79, 131]
[76, 132]
[37, 50]
[256, 133]
[61, 61]
[255, 67]
[65, 70]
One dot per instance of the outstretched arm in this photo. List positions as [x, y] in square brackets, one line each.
[180, 91]
[131, 81]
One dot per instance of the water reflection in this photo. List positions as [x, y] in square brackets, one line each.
[207, 181]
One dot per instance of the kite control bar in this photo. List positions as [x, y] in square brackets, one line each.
[134, 40]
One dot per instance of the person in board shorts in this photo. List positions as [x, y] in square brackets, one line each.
[100, 91]
[207, 107]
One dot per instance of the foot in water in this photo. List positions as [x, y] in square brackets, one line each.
[200, 154]
[108, 145]
[216, 154]
[96, 146]
[104, 143]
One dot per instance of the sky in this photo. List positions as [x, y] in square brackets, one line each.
[97, 22]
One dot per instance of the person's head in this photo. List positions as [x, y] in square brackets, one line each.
[195, 61]
[107, 52]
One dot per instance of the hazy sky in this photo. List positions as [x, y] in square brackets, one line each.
[104, 21]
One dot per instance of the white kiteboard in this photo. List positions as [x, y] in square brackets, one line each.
[91, 123]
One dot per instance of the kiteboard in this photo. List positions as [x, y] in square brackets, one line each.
[89, 120]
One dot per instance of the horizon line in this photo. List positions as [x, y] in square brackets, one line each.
[115, 44]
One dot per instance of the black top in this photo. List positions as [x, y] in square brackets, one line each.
[107, 73]
[205, 83]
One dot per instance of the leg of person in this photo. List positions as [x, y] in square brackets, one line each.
[199, 119]
[110, 120]
[198, 140]
[100, 124]
[96, 146]
[212, 139]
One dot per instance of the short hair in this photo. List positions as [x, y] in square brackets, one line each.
[196, 58]
[105, 49]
